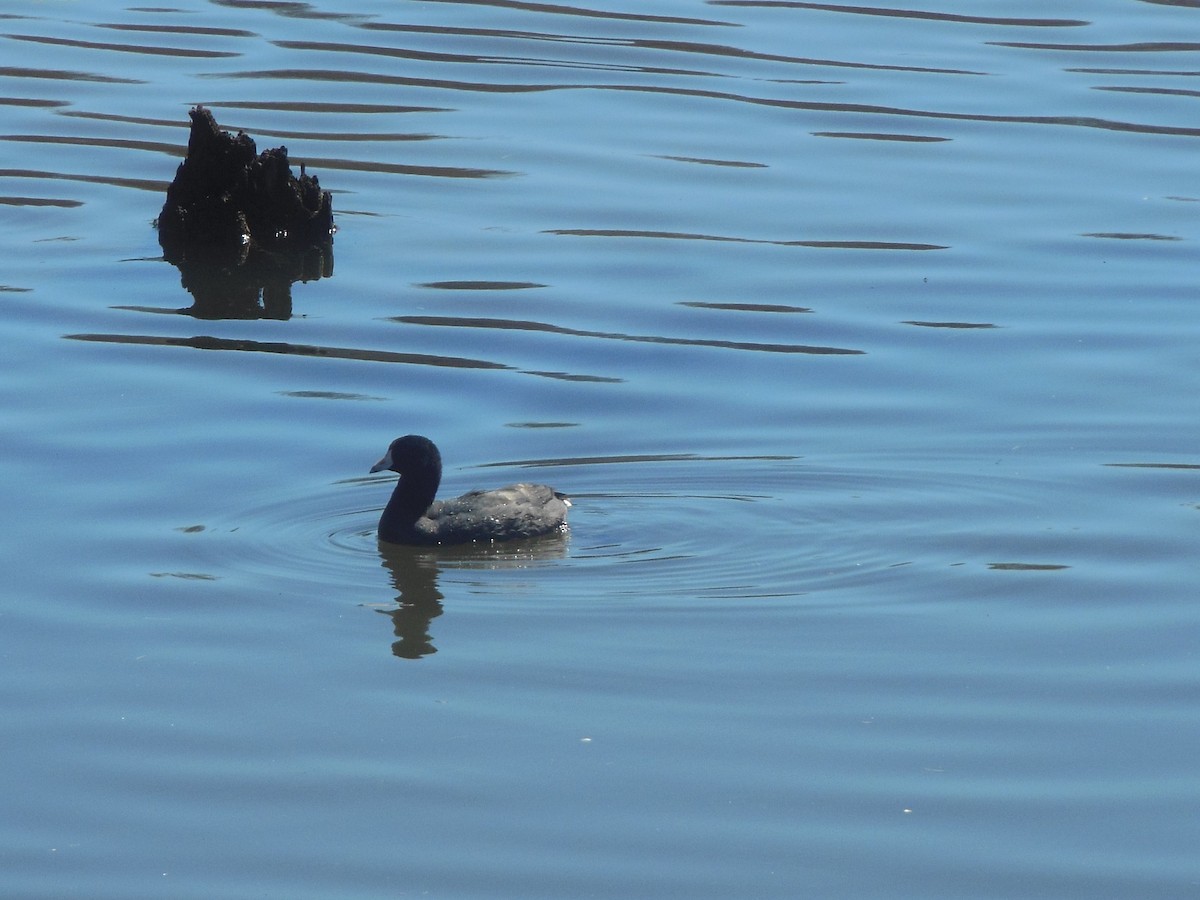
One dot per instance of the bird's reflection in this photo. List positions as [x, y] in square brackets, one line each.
[415, 571]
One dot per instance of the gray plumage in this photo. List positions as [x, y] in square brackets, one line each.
[413, 516]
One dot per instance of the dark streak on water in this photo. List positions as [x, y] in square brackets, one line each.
[517, 325]
[682, 236]
[905, 13]
[365, 355]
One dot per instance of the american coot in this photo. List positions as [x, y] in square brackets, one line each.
[412, 516]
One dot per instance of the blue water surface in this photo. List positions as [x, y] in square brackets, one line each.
[862, 338]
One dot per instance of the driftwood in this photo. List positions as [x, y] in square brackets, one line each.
[240, 225]
[226, 197]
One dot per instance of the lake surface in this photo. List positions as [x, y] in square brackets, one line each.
[862, 337]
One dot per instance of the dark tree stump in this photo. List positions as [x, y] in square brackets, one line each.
[226, 199]
[241, 228]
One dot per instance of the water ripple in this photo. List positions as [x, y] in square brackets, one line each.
[462, 58]
[286, 347]
[1139, 47]
[556, 9]
[700, 48]
[63, 75]
[178, 29]
[260, 133]
[137, 184]
[516, 325]
[182, 52]
[339, 75]
[722, 529]
[906, 13]
[720, 238]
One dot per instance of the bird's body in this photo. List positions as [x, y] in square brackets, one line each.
[412, 516]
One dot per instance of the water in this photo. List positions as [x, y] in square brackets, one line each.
[862, 338]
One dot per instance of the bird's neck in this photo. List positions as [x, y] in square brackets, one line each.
[411, 498]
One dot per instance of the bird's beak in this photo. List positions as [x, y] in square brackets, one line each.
[385, 463]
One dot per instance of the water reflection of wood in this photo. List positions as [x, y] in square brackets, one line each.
[259, 288]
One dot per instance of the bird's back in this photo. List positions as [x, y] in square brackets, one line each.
[513, 511]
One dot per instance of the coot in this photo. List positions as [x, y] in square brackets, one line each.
[412, 516]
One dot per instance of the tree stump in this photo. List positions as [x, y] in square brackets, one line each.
[227, 198]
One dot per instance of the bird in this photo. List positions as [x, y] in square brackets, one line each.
[413, 516]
